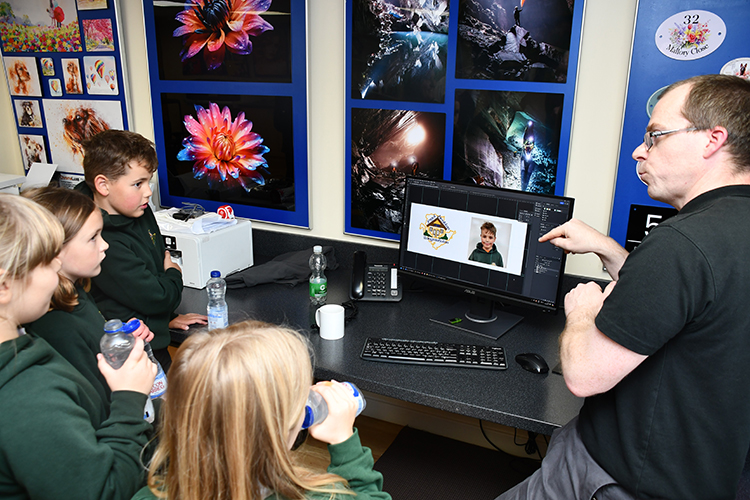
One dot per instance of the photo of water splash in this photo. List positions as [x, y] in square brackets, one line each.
[399, 50]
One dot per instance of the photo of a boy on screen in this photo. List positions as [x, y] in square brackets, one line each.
[486, 252]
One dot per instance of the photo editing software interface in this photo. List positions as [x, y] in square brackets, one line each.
[484, 240]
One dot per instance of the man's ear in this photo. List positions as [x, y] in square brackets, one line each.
[717, 138]
[101, 185]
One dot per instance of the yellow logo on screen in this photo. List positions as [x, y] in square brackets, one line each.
[436, 230]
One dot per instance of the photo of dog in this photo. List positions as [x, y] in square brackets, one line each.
[28, 113]
[71, 122]
[72, 75]
[23, 77]
[32, 150]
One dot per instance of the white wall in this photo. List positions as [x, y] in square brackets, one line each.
[602, 80]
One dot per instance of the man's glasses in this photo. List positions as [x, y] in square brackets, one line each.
[648, 137]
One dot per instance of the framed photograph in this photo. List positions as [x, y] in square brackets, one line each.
[70, 122]
[233, 112]
[28, 113]
[98, 36]
[48, 66]
[101, 75]
[40, 26]
[501, 74]
[260, 50]
[55, 87]
[72, 76]
[32, 150]
[23, 77]
[91, 4]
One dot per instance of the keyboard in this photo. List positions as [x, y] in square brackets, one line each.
[421, 352]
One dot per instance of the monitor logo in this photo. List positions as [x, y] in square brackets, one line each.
[436, 230]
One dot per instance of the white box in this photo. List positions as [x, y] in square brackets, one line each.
[227, 250]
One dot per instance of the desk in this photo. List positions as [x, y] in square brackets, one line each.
[513, 397]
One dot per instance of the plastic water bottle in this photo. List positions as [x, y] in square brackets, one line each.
[218, 314]
[318, 281]
[160, 382]
[118, 341]
[316, 409]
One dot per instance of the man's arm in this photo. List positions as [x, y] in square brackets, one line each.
[592, 363]
[576, 237]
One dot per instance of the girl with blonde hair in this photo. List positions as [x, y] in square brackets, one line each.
[56, 441]
[236, 404]
[74, 325]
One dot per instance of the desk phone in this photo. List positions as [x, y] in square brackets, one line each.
[374, 281]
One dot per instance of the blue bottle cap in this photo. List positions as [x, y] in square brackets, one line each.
[131, 326]
[308, 420]
[215, 274]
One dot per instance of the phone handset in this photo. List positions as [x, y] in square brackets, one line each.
[374, 282]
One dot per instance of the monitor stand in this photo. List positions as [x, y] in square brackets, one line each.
[478, 317]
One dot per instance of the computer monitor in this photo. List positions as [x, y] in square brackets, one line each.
[445, 224]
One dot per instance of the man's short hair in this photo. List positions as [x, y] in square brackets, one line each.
[721, 100]
[110, 152]
[489, 226]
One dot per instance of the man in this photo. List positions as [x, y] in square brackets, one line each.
[663, 356]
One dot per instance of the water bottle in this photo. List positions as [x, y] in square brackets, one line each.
[118, 341]
[318, 281]
[316, 409]
[160, 382]
[218, 314]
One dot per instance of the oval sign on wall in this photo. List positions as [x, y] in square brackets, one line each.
[690, 35]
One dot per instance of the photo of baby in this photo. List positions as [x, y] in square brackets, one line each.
[486, 251]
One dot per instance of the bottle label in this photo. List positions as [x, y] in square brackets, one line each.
[217, 319]
[160, 385]
[318, 289]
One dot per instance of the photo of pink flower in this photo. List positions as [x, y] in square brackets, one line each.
[226, 152]
[218, 26]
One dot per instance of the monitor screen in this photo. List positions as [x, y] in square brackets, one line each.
[483, 241]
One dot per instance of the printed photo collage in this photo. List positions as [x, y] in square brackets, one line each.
[474, 91]
[64, 76]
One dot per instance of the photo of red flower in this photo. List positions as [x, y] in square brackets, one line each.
[225, 151]
[215, 26]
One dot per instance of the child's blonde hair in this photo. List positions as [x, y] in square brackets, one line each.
[235, 396]
[72, 209]
[30, 236]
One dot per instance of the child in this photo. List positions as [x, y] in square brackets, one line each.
[138, 277]
[74, 325]
[55, 441]
[235, 406]
[485, 252]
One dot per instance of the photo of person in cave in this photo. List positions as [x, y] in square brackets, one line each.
[507, 139]
[497, 42]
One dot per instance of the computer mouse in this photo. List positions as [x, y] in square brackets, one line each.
[532, 362]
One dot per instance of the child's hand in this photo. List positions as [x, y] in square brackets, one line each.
[137, 374]
[168, 262]
[342, 408]
[143, 332]
[183, 321]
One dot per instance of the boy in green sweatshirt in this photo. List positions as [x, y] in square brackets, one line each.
[486, 252]
[138, 277]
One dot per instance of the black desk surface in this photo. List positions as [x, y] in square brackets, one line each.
[513, 397]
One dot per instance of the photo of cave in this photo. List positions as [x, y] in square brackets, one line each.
[399, 50]
[507, 139]
[387, 145]
[519, 40]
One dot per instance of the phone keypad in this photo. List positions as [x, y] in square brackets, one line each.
[377, 281]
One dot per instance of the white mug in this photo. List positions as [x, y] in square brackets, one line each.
[330, 320]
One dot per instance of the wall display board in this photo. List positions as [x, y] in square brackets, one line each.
[475, 91]
[63, 62]
[673, 40]
[229, 97]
